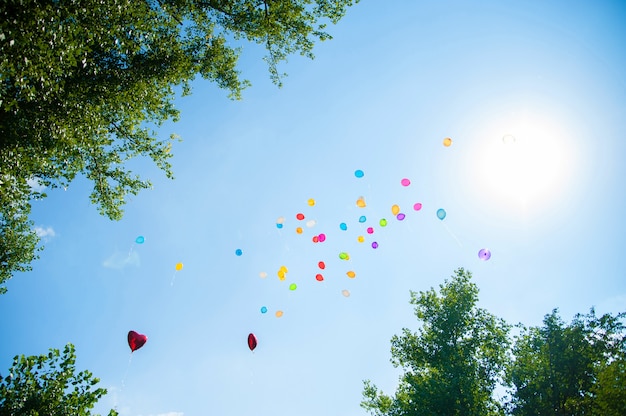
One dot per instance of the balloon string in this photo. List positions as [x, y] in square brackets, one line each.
[131, 250]
[126, 372]
[173, 277]
[452, 234]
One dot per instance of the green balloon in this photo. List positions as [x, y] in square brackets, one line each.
[383, 222]
[293, 286]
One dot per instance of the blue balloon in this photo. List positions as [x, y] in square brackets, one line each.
[359, 173]
[279, 225]
[343, 226]
[441, 213]
[362, 218]
[139, 240]
[263, 309]
[238, 252]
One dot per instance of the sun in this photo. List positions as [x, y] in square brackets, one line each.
[523, 163]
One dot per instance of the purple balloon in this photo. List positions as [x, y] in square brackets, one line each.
[374, 244]
[484, 254]
[400, 216]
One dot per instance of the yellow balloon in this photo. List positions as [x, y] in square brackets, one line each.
[395, 209]
[351, 274]
[360, 239]
[179, 266]
[284, 269]
[279, 314]
[311, 202]
[281, 275]
[361, 202]
[447, 142]
[299, 230]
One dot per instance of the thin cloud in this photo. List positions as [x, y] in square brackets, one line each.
[119, 260]
[44, 232]
[35, 185]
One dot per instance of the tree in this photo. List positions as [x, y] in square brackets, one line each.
[84, 83]
[453, 363]
[574, 369]
[48, 385]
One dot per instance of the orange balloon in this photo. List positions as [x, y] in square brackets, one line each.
[279, 314]
[299, 230]
[351, 274]
[361, 202]
[447, 142]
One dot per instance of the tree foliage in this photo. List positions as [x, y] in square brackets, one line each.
[575, 369]
[454, 361]
[49, 385]
[84, 83]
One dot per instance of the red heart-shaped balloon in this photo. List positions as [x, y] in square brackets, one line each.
[252, 342]
[136, 340]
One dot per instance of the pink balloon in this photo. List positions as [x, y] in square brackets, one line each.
[405, 182]
[321, 238]
[417, 206]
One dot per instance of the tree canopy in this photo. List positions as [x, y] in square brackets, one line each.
[570, 369]
[85, 83]
[452, 363]
[49, 385]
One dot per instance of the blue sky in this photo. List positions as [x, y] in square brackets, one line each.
[380, 97]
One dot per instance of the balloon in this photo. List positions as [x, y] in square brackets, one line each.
[310, 223]
[370, 230]
[139, 240]
[374, 244]
[484, 254]
[321, 237]
[400, 216]
[383, 222]
[136, 340]
[319, 277]
[316, 239]
[343, 226]
[279, 314]
[417, 206]
[360, 239]
[263, 309]
[345, 292]
[344, 256]
[179, 266]
[263, 275]
[279, 225]
[351, 274]
[395, 209]
[359, 173]
[293, 286]
[238, 252]
[281, 275]
[508, 139]
[252, 342]
[447, 142]
[361, 202]
[299, 230]
[441, 213]
[280, 220]
[362, 219]
[311, 202]
[405, 182]
[284, 269]
[321, 265]
[300, 216]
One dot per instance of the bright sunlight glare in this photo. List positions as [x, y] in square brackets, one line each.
[524, 164]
